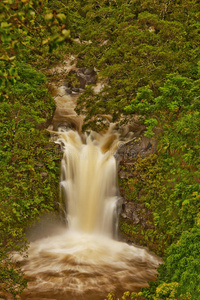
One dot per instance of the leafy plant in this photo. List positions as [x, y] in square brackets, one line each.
[29, 165]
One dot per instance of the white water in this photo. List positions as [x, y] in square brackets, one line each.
[88, 182]
[83, 261]
[74, 264]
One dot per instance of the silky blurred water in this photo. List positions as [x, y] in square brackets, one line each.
[84, 260]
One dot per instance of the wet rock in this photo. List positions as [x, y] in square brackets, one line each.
[135, 218]
[75, 90]
[135, 214]
[89, 72]
[148, 147]
[90, 76]
[79, 78]
[68, 91]
[130, 213]
[64, 126]
[142, 146]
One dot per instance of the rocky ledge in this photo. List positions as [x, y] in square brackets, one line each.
[77, 79]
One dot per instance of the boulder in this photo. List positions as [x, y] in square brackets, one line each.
[77, 80]
[129, 212]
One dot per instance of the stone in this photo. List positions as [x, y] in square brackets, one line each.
[128, 210]
[68, 91]
[75, 90]
[79, 78]
[82, 82]
[135, 218]
[90, 72]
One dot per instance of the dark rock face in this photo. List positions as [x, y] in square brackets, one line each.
[129, 212]
[134, 213]
[141, 146]
[78, 79]
[128, 153]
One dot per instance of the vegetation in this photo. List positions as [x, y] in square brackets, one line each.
[134, 44]
[147, 55]
[29, 170]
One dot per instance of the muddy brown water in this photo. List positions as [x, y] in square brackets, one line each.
[84, 260]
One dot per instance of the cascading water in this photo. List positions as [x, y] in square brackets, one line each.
[88, 183]
[83, 261]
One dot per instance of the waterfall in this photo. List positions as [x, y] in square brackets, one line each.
[83, 260]
[89, 183]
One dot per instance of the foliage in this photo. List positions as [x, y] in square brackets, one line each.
[169, 180]
[165, 291]
[168, 184]
[29, 31]
[146, 53]
[179, 277]
[30, 24]
[147, 56]
[27, 28]
[183, 263]
[126, 296]
[133, 44]
[28, 168]
[11, 278]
